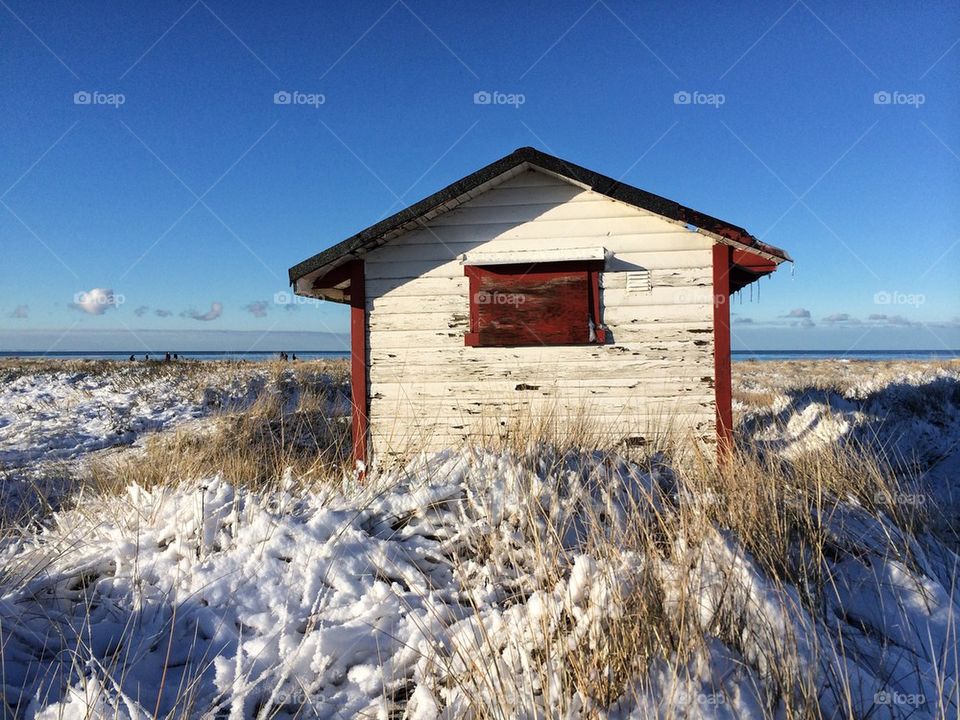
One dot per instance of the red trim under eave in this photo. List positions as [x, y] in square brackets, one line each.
[722, 382]
[360, 421]
[753, 262]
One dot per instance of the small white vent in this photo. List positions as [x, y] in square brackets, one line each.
[638, 281]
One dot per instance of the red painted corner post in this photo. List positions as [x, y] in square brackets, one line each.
[723, 382]
[358, 361]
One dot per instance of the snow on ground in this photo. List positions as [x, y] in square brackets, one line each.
[62, 415]
[428, 596]
[909, 411]
[52, 420]
[427, 591]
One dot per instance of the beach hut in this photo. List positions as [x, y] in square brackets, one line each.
[535, 288]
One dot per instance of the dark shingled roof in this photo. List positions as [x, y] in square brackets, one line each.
[602, 184]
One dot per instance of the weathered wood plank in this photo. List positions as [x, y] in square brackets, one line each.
[509, 193]
[625, 317]
[410, 406]
[433, 434]
[697, 373]
[677, 337]
[535, 387]
[393, 304]
[620, 262]
[524, 363]
[402, 420]
[621, 315]
[421, 321]
[589, 210]
[681, 362]
[596, 356]
[412, 287]
[534, 178]
[432, 419]
[546, 230]
[452, 250]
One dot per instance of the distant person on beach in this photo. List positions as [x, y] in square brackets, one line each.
[294, 356]
[146, 357]
[166, 358]
[176, 357]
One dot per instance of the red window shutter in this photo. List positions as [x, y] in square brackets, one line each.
[524, 305]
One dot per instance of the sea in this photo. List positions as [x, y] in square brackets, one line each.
[261, 356]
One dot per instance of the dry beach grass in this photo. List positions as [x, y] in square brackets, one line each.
[580, 584]
[277, 435]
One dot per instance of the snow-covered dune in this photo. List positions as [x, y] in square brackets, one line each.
[62, 415]
[427, 595]
[475, 583]
[908, 412]
[52, 419]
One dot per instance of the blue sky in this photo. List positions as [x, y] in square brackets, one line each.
[830, 130]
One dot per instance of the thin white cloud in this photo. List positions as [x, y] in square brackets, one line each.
[840, 319]
[884, 319]
[257, 308]
[215, 311]
[797, 318]
[875, 320]
[20, 312]
[96, 301]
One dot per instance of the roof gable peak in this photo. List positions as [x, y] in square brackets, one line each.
[501, 170]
